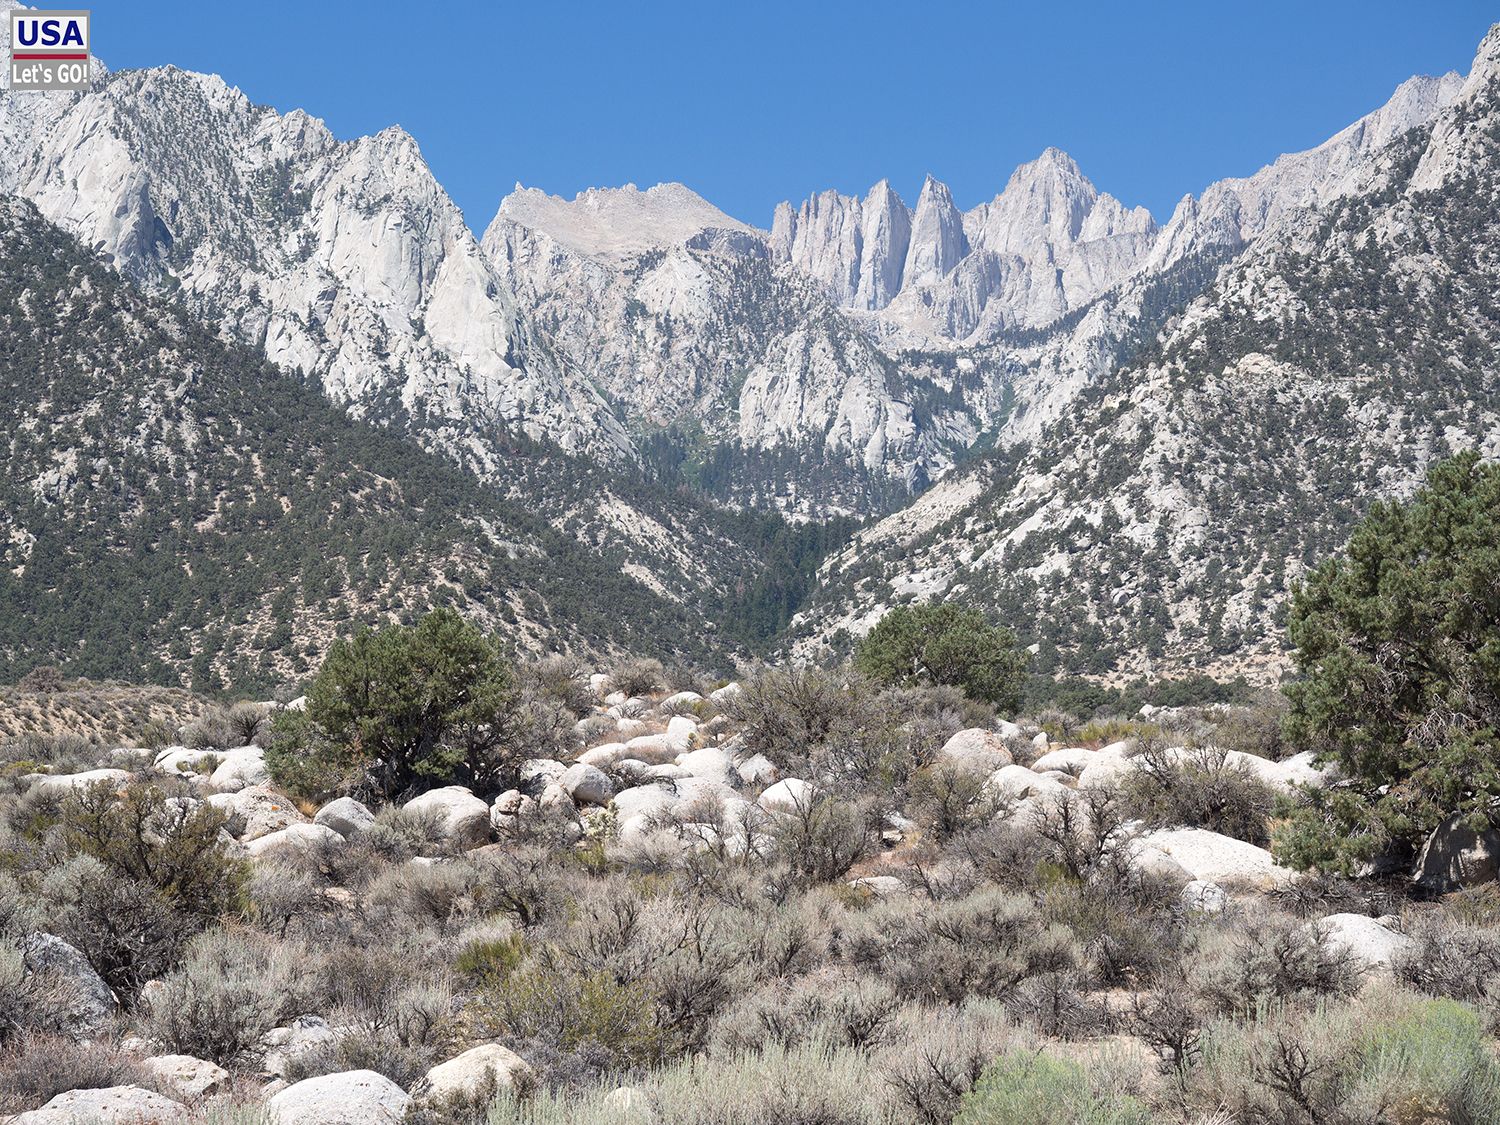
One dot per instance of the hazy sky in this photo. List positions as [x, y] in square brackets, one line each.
[752, 103]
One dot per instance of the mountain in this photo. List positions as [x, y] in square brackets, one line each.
[1159, 520]
[175, 506]
[719, 358]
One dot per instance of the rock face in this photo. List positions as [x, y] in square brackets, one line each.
[1456, 856]
[981, 751]
[125, 1105]
[344, 260]
[1216, 858]
[355, 1097]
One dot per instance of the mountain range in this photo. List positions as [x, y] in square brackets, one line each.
[1126, 437]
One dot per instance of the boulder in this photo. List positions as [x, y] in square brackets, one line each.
[186, 1077]
[603, 757]
[472, 1071]
[1216, 858]
[1105, 770]
[710, 762]
[292, 836]
[1203, 897]
[539, 773]
[632, 728]
[240, 768]
[975, 749]
[1158, 864]
[304, 1036]
[1456, 856]
[1018, 782]
[1370, 942]
[1069, 759]
[184, 762]
[128, 1105]
[462, 818]
[353, 1097]
[90, 1004]
[615, 698]
[654, 749]
[586, 785]
[670, 771]
[878, 885]
[599, 685]
[682, 701]
[1303, 769]
[758, 770]
[346, 816]
[683, 730]
[636, 807]
[788, 795]
[256, 811]
[63, 784]
[729, 691]
[508, 809]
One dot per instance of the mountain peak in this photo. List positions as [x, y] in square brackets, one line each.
[618, 222]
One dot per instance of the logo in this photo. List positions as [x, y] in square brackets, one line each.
[49, 50]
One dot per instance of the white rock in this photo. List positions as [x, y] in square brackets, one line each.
[981, 751]
[62, 784]
[1105, 770]
[729, 691]
[185, 762]
[1216, 858]
[346, 816]
[241, 768]
[187, 1077]
[259, 810]
[757, 770]
[126, 1105]
[682, 700]
[463, 819]
[599, 685]
[788, 795]
[1018, 782]
[603, 757]
[283, 1046]
[1070, 759]
[710, 762]
[291, 837]
[472, 1071]
[654, 749]
[632, 728]
[879, 885]
[1369, 941]
[539, 773]
[1204, 897]
[587, 785]
[355, 1097]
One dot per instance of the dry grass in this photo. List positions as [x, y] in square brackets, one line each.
[97, 712]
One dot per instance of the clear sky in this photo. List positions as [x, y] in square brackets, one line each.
[750, 103]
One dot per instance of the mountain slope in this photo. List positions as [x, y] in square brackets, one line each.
[1159, 523]
[175, 506]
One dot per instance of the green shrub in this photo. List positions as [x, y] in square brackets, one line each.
[401, 708]
[944, 644]
[1202, 790]
[1036, 1089]
[1398, 643]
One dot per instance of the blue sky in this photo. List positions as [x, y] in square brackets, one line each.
[750, 103]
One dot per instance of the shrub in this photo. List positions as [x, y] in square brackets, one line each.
[169, 843]
[400, 708]
[1202, 790]
[231, 989]
[36, 1068]
[943, 644]
[637, 677]
[1036, 1089]
[1396, 643]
